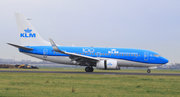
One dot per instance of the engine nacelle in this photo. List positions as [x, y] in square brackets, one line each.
[107, 64]
[155, 67]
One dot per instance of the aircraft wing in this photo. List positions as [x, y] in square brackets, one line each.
[75, 57]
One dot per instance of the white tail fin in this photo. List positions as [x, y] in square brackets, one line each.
[27, 33]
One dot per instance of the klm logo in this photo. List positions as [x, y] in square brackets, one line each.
[113, 51]
[110, 64]
[53, 45]
[28, 33]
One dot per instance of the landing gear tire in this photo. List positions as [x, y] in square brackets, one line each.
[148, 71]
[89, 69]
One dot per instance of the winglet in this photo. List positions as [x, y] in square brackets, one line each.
[55, 48]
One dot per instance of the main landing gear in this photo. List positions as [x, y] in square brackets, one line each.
[89, 69]
[148, 71]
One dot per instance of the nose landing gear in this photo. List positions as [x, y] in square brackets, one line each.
[148, 71]
[89, 69]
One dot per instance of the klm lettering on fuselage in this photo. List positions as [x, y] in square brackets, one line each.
[28, 33]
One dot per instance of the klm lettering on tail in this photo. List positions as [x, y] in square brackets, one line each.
[28, 33]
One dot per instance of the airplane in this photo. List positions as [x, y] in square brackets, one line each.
[104, 58]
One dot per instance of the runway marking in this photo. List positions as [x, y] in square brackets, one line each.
[101, 73]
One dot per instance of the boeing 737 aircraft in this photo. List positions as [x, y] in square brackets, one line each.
[102, 58]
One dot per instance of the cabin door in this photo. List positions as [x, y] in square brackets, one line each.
[146, 56]
[98, 54]
[45, 53]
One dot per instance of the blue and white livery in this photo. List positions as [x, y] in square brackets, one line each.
[102, 58]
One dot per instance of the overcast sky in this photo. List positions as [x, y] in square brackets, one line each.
[144, 24]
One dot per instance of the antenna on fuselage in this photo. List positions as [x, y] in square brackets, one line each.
[28, 18]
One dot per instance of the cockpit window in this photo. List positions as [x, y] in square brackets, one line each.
[156, 55]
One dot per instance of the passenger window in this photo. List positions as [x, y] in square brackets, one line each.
[139, 55]
[54, 52]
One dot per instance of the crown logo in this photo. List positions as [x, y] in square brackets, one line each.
[113, 51]
[53, 45]
[109, 64]
[28, 30]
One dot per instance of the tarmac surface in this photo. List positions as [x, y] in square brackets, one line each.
[101, 73]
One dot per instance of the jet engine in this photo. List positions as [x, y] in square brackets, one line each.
[107, 64]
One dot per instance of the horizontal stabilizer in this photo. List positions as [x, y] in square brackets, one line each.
[18, 46]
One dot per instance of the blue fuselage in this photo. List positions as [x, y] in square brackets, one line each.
[135, 55]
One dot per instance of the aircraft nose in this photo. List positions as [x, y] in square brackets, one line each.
[164, 60]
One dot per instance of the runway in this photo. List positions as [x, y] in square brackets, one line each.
[101, 73]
